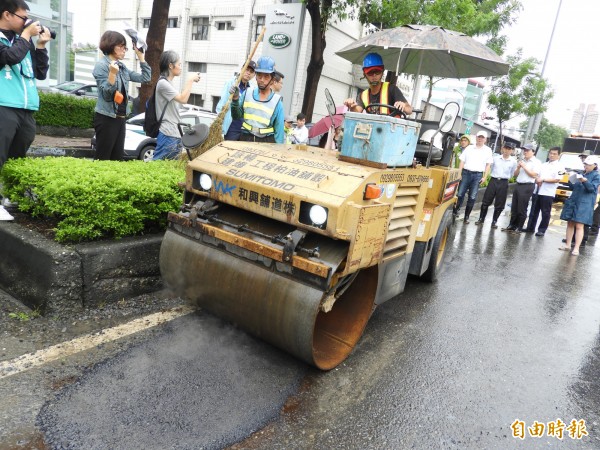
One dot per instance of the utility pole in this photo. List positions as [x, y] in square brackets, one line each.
[534, 122]
[462, 107]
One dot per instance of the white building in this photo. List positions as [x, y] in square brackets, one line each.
[84, 66]
[584, 119]
[214, 37]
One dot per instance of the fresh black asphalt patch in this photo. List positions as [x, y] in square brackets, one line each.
[200, 384]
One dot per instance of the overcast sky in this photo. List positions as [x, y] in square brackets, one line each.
[86, 20]
[573, 66]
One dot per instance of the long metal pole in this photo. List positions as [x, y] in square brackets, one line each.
[463, 110]
[538, 117]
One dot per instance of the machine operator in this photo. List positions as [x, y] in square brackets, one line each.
[379, 91]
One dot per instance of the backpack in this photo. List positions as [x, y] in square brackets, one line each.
[151, 122]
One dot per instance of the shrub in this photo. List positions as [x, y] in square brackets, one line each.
[65, 111]
[95, 199]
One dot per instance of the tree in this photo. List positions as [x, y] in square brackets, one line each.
[481, 17]
[521, 91]
[156, 44]
[321, 12]
[550, 135]
[319, 16]
[474, 18]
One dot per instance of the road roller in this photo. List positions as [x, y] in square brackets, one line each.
[298, 245]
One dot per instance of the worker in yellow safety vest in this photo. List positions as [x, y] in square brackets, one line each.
[378, 92]
[260, 107]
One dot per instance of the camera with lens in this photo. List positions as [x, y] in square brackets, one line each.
[52, 32]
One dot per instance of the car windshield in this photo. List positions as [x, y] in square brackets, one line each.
[571, 161]
[137, 120]
[69, 86]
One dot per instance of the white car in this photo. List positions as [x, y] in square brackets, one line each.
[139, 146]
[75, 88]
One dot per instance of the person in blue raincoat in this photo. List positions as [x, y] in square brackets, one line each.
[578, 210]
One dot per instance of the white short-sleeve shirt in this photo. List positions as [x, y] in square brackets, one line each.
[551, 170]
[533, 164]
[476, 158]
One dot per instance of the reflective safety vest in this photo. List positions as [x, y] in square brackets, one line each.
[258, 114]
[383, 98]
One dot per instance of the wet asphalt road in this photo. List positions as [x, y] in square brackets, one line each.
[510, 331]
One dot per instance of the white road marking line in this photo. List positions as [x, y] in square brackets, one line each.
[64, 349]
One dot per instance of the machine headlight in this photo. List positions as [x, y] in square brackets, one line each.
[313, 215]
[318, 215]
[205, 181]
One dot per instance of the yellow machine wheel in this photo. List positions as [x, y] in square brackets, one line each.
[267, 303]
[438, 252]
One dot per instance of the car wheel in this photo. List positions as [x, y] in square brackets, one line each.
[147, 153]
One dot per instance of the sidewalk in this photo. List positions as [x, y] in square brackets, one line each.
[42, 140]
[46, 145]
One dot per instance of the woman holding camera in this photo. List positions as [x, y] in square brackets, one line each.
[113, 79]
[168, 141]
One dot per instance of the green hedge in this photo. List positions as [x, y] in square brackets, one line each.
[65, 111]
[95, 199]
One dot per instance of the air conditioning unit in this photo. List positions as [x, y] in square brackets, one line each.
[233, 24]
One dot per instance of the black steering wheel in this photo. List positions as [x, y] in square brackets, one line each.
[393, 110]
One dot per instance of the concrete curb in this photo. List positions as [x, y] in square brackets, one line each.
[75, 152]
[50, 130]
[56, 278]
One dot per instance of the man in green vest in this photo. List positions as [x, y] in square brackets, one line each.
[21, 63]
[260, 107]
[379, 91]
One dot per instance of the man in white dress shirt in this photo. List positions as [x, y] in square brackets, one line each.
[475, 162]
[503, 169]
[547, 182]
[527, 172]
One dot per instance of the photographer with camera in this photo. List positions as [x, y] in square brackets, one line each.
[22, 63]
[112, 78]
[168, 141]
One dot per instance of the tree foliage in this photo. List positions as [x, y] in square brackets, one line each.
[521, 92]
[472, 17]
[322, 12]
[550, 135]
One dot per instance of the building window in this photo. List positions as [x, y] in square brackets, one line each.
[221, 26]
[260, 23]
[197, 67]
[196, 99]
[172, 22]
[200, 27]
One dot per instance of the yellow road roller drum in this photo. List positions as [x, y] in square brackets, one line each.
[297, 246]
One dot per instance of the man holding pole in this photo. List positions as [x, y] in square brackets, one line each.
[260, 107]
